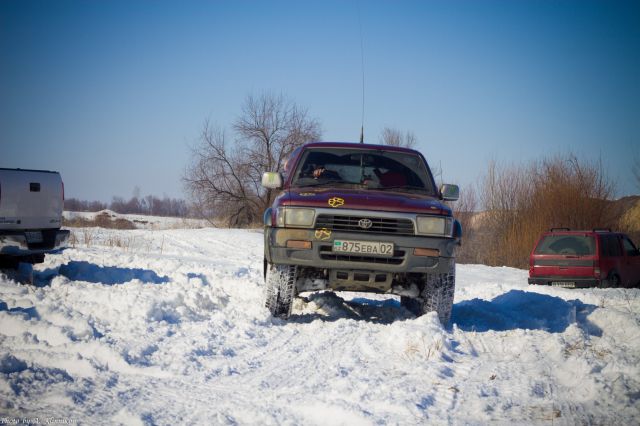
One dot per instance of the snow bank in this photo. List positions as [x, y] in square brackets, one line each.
[170, 328]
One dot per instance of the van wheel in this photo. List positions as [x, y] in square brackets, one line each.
[613, 280]
[280, 288]
[436, 296]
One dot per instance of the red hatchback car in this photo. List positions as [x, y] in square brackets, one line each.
[601, 258]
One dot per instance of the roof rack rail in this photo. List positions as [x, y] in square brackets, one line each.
[601, 229]
[560, 229]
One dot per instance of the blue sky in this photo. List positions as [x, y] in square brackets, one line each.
[113, 93]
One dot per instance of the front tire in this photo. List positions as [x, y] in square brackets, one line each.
[436, 296]
[280, 285]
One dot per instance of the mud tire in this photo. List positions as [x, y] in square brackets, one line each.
[436, 296]
[280, 289]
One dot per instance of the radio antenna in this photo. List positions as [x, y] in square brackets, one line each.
[362, 68]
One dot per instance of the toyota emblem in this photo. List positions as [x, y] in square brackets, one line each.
[365, 223]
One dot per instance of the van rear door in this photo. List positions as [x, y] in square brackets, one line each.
[30, 199]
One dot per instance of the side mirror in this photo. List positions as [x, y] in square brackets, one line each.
[450, 192]
[272, 180]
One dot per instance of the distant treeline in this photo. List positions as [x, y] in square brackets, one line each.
[149, 205]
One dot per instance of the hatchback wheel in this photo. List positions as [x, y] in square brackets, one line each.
[614, 280]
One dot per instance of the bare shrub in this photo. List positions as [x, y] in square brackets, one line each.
[465, 210]
[73, 239]
[394, 137]
[224, 179]
[522, 202]
[87, 236]
[119, 241]
[629, 221]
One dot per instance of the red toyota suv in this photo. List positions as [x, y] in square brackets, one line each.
[600, 257]
[359, 217]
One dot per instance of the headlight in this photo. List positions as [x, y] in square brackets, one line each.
[434, 225]
[290, 216]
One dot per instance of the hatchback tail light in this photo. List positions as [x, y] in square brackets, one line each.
[596, 272]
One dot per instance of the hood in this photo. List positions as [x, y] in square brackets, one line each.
[340, 199]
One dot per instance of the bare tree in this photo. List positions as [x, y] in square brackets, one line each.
[394, 137]
[224, 181]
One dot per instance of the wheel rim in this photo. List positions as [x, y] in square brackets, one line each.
[615, 281]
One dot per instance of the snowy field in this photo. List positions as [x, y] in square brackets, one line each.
[167, 327]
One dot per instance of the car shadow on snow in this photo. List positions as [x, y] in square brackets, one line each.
[329, 306]
[518, 309]
[108, 275]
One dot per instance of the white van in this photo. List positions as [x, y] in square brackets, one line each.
[31, 204]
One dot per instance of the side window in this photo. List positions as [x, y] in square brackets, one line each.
[616, 250]
[610, 246]
[629, 248]
[288, 163]
[605, 247]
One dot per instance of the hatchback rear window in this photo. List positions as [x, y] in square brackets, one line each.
[579, 245]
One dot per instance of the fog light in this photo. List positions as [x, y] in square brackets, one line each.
[299, 244]
[426, 252]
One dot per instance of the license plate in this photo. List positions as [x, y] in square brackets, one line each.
[363, 247]
[33, 236]
[567, 284]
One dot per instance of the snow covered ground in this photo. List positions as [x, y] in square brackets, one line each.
[167, 326]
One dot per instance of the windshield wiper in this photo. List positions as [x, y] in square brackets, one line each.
[324, 183]
[407, 187]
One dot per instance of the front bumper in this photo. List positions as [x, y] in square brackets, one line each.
[569, 282]
[15, 243]
[320, 255]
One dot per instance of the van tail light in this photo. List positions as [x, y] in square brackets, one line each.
[62, 190]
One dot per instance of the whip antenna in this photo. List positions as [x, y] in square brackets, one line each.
[362, 68]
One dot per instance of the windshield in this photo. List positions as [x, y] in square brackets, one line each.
[364, 169]
[577, 245]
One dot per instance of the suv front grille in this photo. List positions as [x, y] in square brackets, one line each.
[379, 225]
